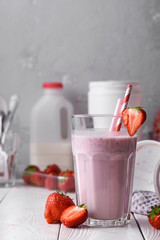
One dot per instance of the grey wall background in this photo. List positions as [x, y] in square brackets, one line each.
[42, 40]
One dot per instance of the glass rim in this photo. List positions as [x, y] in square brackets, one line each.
[95, 115]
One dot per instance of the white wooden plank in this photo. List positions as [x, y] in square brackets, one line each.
[128, 232]
[22, 215]
[148, 231]
[3, 193]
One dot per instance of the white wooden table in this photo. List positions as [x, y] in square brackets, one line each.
[22, 218]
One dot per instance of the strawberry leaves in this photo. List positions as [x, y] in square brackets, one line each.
[155, 211]
[154, 217]
[137, 108]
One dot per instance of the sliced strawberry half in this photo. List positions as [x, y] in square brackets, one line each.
[133, 118]
[74, 216]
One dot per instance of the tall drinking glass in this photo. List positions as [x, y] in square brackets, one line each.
[104, 164]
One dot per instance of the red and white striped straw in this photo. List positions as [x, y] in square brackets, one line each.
[117, 112]
[124, 105]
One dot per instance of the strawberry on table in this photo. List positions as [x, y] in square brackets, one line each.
[154, 217]
[53, 168]
[29, 170]
[66, 183]
[37, 178]
[133, 118]
[51, 181]
[56, 203]
[74, 216]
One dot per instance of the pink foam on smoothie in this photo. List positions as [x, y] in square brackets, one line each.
[104, 165]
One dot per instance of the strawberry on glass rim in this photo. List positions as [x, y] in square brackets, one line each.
[133, 118]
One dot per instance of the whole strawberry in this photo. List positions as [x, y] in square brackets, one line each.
[74, 216]
[154, 217]
[29, 170]
[51, 181]
[53, 168]
[56, 203]
[133, 118]
[66, 181]
[37, 178]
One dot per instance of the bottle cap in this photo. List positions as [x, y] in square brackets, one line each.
[52, 85]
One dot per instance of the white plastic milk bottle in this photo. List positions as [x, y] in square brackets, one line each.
[50, 129]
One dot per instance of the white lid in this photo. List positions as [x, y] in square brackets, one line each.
[114, 85]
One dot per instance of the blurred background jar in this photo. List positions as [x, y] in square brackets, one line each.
[50, 128]
[103, 96]
[155, 133]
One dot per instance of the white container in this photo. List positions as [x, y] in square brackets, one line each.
[103, 96]
[50, 129]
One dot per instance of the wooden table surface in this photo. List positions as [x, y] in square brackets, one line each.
[22, 217]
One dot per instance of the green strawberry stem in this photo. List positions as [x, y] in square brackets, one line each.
[60, 192]
[83, 206]
[155, 211]
[136, 108]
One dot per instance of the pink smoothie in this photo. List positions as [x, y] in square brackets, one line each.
[104, 165]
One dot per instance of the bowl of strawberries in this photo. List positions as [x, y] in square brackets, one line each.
[52, 178]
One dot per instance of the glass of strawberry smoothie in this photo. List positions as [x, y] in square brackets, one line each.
[104, 164]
